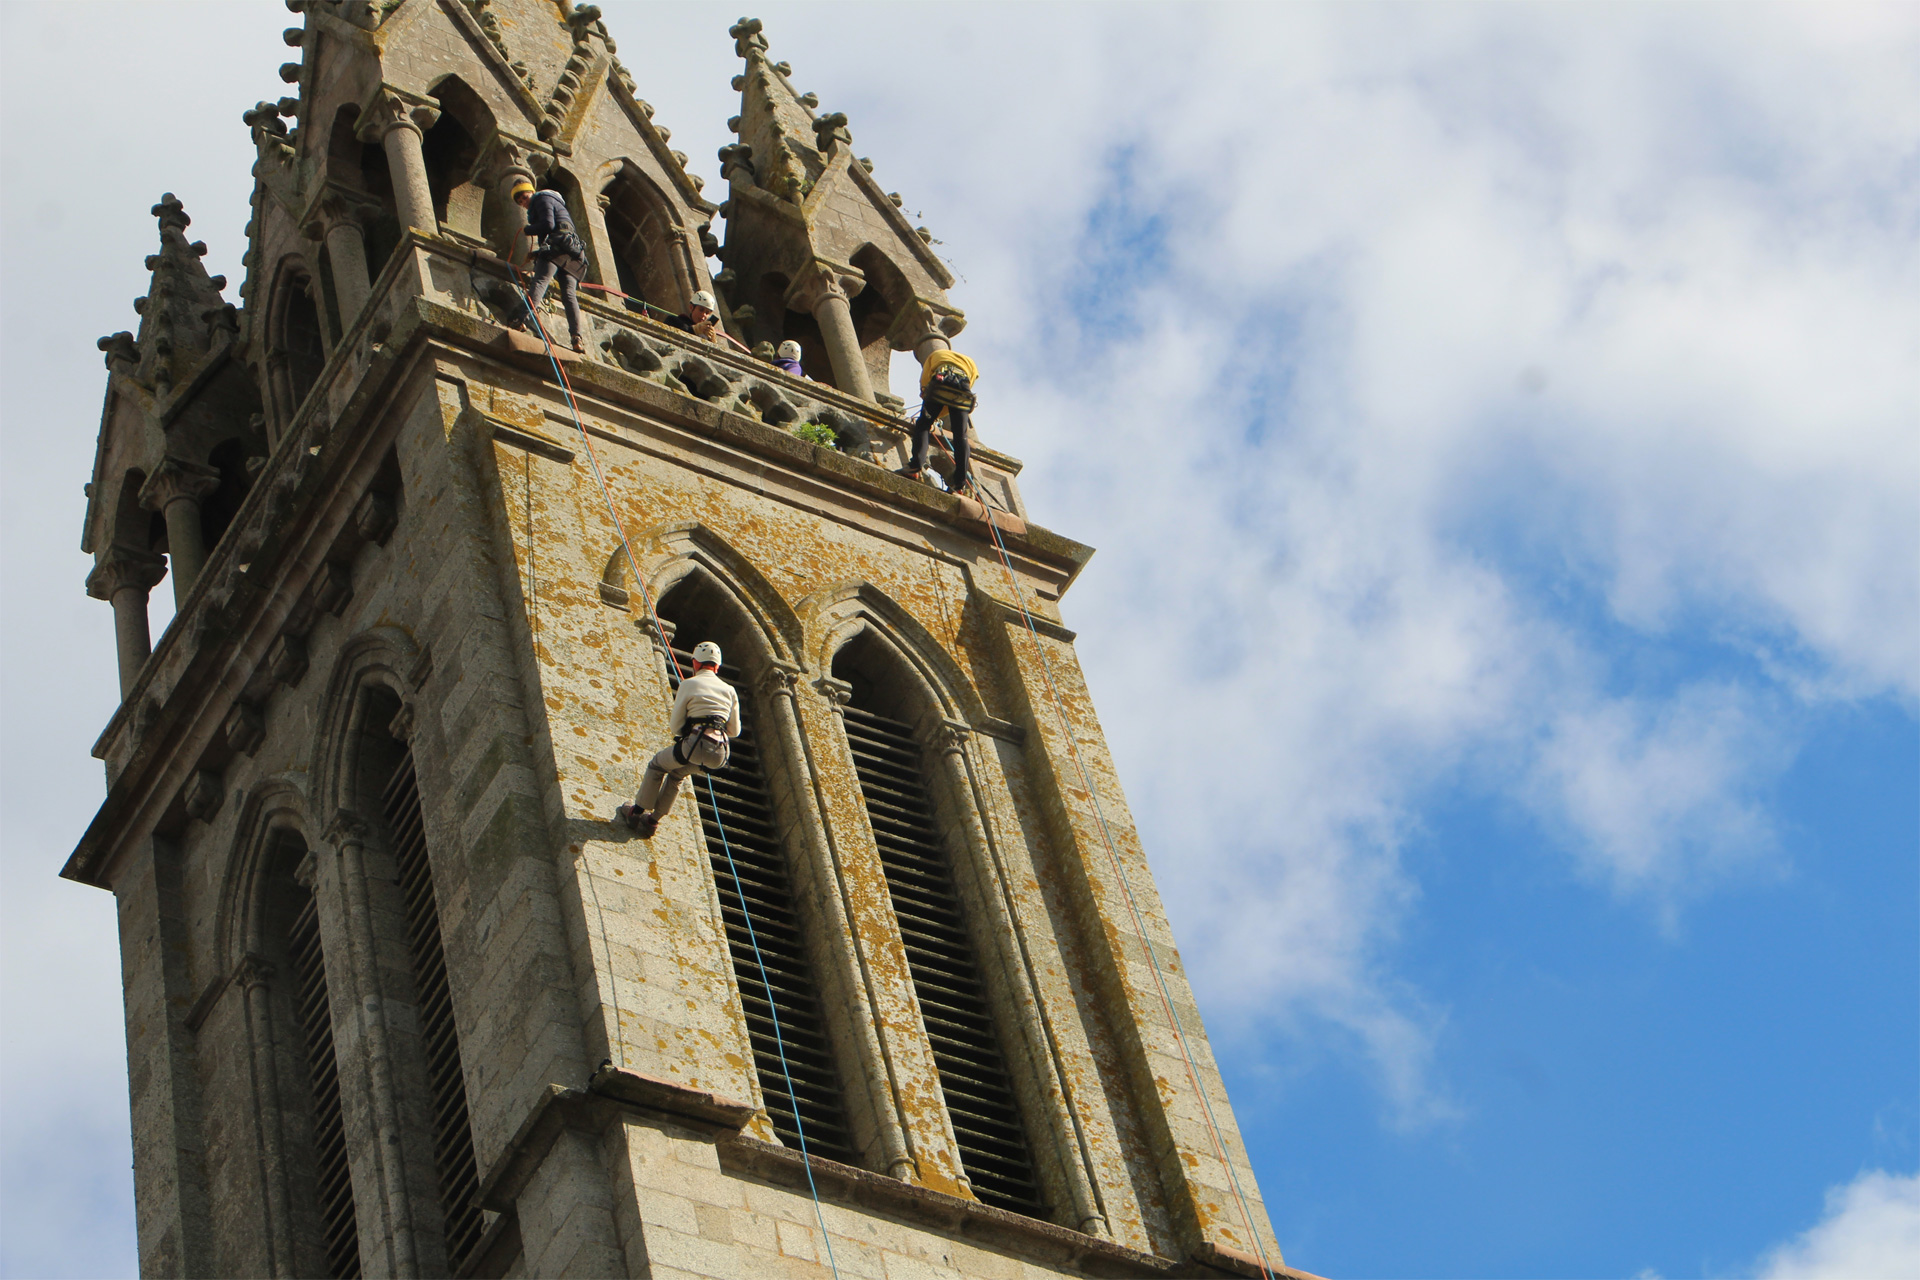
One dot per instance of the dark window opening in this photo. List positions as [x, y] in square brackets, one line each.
[640, 235]
[959, 1020]
[362, 167]
[874, 308]
[301, 340]
[762, 898]
[450, 149]
[219, 507]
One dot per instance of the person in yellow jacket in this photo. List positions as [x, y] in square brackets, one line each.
[946, 387]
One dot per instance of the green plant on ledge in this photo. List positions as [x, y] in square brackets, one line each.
[817, 433]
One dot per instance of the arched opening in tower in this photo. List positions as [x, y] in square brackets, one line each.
[300, 343]
[361, 168]
[386, 783]
[916, 842]
[641, 235]
[773, 951]
[874, 310]
[451, 149]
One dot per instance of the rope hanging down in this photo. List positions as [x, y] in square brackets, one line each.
[1126, 886]
[766, 981]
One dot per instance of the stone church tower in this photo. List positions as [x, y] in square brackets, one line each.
[895, 996]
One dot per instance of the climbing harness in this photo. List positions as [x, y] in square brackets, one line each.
[766, 981]
[1120, 871]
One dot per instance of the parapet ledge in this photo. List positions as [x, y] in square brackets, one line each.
[611, 1090]
[949, 1215]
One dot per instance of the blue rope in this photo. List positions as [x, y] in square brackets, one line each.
[646, 598]
[779, 1041]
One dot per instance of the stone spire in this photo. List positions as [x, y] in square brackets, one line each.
[183, 318]
[778, 150]
[802, 210]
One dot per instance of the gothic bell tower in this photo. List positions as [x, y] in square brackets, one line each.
[890, 993]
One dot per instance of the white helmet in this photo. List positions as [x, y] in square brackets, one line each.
[703, 299]
[707, 652]
[789, 350]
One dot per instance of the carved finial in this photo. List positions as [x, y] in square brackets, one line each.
[171, 213]
[119, 346]
[831, 130]
[747, 39]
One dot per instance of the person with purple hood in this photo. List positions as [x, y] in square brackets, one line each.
[788, 358]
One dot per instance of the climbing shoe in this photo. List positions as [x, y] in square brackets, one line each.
[580, 344]
[628, 817]
[911, 473]
[646, 826]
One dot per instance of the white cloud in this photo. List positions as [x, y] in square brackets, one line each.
[1871, 1232]
[1456, 358]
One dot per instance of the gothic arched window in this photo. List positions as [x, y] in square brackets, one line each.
[916, 836]
[760, 906]
[451, 148]
[319, 1179]
[385, 778]
[297, 346]
[641, 235]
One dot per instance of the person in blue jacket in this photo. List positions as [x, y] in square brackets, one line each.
[558, 250]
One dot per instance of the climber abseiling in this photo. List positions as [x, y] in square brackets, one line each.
[703, 321]
[946, 387]
[705, 720]
[558, 250]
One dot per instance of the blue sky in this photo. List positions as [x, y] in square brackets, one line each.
[1505, 416]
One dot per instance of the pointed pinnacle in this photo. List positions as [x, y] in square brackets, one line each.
[171, 213]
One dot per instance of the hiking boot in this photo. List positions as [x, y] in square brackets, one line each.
[912, 473]
[629, 817]
[647, 825]
[579, 344]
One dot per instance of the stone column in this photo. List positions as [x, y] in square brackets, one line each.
[123, 577]
[335, 222]
[348, 833]
[506, 162]
[599, 242]
[780, 688]
[826, 289]
[175, 489]
[254, 976]
[397, 122]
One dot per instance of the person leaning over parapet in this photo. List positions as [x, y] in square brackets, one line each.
[702, 321]
[788, 358]
[946, 387]
[559, 252]
[705, 720]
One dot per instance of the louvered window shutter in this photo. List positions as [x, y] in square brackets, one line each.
[452, 1133]
[332, 1178]
[765, 899]
[940, 955]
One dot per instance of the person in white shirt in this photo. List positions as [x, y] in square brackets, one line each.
[706, 718]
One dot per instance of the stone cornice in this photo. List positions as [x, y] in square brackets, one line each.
[228, 628]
